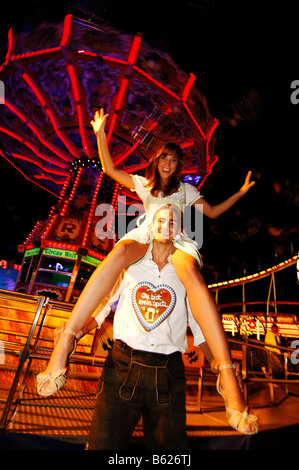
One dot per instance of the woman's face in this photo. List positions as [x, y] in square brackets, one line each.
[167, 166]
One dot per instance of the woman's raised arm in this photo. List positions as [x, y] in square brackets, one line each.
[108, 166]
[215, 211]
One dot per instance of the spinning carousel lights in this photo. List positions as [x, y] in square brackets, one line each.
[85, 162]
[92, 209]
[66, 203]
[49, 170]
[73, 77]
[188, 87]
[253, 277]
[130, 65]
[43, 103]
[23, 174]
[66, 30]
[41, 138]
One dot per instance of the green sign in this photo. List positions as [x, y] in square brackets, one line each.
[60, 253]
[67, 254]
[90, 260]
[32, 252]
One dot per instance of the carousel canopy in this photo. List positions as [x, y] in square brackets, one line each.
[56, 76]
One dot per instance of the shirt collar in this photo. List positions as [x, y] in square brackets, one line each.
[149, 254]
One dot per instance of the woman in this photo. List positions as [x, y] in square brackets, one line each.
[160, 186]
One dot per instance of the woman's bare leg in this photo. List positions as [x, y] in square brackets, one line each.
[205, 312]
[98, 287]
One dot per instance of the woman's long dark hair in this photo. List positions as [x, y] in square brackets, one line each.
[152, 174]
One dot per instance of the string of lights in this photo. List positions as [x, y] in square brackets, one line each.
[85, 162]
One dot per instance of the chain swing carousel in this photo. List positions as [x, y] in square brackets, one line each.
[55, 78]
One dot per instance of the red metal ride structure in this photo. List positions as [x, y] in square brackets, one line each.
[55, 78]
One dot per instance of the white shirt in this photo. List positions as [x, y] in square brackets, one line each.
[186, 195]
[153, 310]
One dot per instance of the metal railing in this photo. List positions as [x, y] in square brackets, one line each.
[41, 303]
[256, 365]
[43, 310]
[37, 342]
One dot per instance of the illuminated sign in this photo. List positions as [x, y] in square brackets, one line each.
[60, 253]
[90, 260]
[67, 254]
[32, 252]
[68, 229]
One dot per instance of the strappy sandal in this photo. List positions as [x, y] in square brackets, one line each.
[56, 380]
[238, 420]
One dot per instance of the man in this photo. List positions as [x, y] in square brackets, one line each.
[273, 338]
[144, 372]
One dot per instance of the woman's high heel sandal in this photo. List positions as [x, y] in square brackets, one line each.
[56, 380]
[238, 420]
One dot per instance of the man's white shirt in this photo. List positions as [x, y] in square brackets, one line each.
[153, 311]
